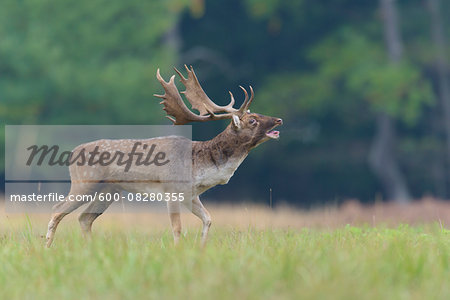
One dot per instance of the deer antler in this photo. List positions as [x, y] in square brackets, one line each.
[197, 96]
[244, 107]
[174, 105]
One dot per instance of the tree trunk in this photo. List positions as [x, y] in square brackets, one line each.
[438, 36]
[384, 163]
[382, 157]
[439, 157]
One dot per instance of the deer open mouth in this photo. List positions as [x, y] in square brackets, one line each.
[273, 134]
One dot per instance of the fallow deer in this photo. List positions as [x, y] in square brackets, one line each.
[213, 162]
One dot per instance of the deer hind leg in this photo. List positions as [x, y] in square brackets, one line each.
[200, 211]
[92, 212]
[175, 220]
[64, 208]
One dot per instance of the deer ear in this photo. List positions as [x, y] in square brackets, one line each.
[236, 122]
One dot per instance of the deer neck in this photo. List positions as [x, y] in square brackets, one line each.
[216, 160]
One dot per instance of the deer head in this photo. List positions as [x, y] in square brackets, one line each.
[251, 128]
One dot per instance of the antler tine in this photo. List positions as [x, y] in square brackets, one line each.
[180, 74]
[245, 92]
[247, 101]
[172, 119]
[232, 99]
[252, 96]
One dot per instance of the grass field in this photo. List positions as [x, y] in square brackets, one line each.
[132, 257]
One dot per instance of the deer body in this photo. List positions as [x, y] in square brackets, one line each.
[211, 162]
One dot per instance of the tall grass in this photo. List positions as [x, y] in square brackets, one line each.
[238, 263]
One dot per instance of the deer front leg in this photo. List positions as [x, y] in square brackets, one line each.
[90, 214]
[94, 209]
[200, 211]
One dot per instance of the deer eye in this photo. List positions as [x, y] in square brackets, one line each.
[252, 121]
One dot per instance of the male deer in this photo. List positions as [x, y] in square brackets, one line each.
[213, 162]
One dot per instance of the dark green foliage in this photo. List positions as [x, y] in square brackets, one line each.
[319, 65]
[78, 62]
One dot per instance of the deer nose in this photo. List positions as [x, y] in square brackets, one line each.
[279, 121]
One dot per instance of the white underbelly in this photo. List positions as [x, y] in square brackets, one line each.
[206, 178]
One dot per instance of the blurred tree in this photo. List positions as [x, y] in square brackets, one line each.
[382, 156]
[441, 66]
[84, 61]
[351, 65]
